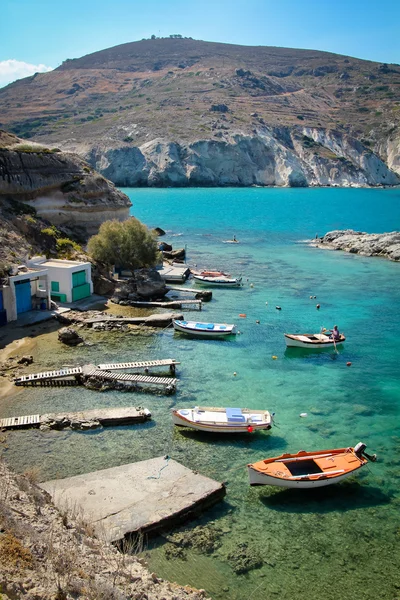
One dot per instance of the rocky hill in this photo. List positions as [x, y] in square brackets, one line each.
[169, 112]
[58, 186]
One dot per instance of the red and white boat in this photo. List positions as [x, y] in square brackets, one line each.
[309, 469]
[222, 420]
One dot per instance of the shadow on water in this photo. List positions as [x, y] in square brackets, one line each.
[349, 495]
[240, 440]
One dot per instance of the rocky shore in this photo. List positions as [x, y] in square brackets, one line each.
[45, 554]
[385, 245]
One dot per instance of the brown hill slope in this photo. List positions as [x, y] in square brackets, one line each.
[109, 105]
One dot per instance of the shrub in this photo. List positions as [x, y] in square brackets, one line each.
[31, 148]
[51, 231]
[65, 246]
[128, 139]
[128, 244]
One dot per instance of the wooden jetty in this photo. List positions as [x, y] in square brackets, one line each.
[78, 375]
[156, 320]
[204, 295]
[144, 364]
[89, 371]
[87, 419]
[169, 304]
[151, 495]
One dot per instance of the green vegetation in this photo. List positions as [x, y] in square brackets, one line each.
[67, 247]
[51, 231]
[128, 244]
[31, 148]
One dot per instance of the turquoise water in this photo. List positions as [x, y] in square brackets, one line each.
[336, 542]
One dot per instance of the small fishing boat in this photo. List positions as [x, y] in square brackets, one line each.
[221, 281]
[312, 340]
[309, 469]
[222, 420]
[219, 330]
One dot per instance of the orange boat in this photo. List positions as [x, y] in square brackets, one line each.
[309, 469]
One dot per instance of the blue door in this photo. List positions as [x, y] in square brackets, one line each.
[23, 295]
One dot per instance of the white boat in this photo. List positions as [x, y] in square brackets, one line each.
[195, 328]
[311, 340]
[218, 281]
[309, 469]
[222, 420]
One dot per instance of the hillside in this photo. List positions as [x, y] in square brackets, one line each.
[188, 112]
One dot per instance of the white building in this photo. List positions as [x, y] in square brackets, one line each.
[29, 290]
[69, 280]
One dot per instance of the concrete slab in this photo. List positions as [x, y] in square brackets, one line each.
[91, 302]
[137, 497]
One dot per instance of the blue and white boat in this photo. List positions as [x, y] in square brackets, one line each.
[216, 330]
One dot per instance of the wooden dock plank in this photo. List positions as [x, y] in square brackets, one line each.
[144, 364]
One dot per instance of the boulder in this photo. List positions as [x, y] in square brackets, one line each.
[69, 336]
[159, 231]
[25, 360]
[149, 284]
[175, 254]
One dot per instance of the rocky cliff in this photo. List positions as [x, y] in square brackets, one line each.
[295, 157]
[386, 245]
[61, 187]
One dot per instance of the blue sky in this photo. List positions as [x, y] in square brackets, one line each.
[36, 35]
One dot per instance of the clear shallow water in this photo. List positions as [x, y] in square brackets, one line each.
[338, 542]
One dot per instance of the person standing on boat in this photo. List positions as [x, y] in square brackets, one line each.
[335, 335]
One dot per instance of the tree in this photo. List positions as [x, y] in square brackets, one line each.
[127, 244]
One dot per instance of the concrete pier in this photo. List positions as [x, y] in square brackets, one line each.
[136, 498]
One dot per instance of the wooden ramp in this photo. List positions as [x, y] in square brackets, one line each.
[60, 373]
[20, 422]
[109, 375]
[135, 498]
[144, 364]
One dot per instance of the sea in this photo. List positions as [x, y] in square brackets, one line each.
[259, 543]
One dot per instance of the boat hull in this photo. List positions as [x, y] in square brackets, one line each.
[205, 333]
[256, 478]
[218, 281]
[247, 426]
[292, 341]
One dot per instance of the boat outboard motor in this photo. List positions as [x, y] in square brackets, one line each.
[359, 450]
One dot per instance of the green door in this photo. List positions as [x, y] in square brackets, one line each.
[78, 278]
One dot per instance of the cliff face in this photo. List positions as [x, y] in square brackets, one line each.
[61, 187]
[296, 157]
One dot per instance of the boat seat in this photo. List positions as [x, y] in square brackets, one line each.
[256, 418]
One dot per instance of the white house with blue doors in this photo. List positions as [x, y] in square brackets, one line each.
[28, 290]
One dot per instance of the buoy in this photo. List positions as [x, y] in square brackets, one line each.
[251, 285]
[274, 357]
[310, 297]
[348, 364]
[266, 303]
[234, 373]
[303, 415]
[278, 308]
[250, 429]
[243, 315]
[318, 305]
[315, 297]
[258, 321]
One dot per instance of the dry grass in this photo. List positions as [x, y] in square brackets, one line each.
[13, 553]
